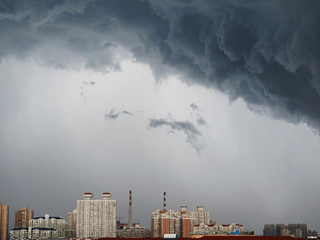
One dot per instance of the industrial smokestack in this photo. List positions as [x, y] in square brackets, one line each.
[164, 201]
[130, 209]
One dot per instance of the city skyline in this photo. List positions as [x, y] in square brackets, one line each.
[214, 102]
[195, 218]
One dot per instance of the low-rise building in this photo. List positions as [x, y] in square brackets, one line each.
[136, 231]
[32, 233]
[218, 229]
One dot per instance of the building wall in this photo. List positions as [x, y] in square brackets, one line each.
[297, 230]
[72, 224]
[96, 218]
[57, 223]
[22, 218]
[4, 221]
[170, 222]
[19, 233]
[200, 216]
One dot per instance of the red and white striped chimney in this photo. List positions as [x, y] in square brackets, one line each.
[130, 209]
[164, 201]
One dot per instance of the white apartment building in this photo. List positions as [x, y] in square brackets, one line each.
[96, 218]
[57, 223]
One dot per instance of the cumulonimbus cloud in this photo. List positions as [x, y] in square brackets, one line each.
[265, 52]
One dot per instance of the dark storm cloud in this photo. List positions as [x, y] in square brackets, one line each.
[114, 114]
[186, 127]
[265, 52]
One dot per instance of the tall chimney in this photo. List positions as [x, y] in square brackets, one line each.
[164, 201]
[130, 209]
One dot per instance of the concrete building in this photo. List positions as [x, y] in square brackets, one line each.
[170, 222]
[4, 221]
[71, 229]
[298, 230]
[19, 233]
[295, 230]
[219, 229]
[96, 218]
[200, 216]
[135, 231]
[269, 230]
[32, 233]
[230, 228]
[313, 233]
[282, 230]
[22, 218]
[203, 229]
[47, 222]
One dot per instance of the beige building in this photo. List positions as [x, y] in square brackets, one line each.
[22, 218]
[72, 224]
[200, 216]
[96, 218]
[4, 221]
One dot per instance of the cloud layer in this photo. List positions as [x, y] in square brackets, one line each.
[265, 52]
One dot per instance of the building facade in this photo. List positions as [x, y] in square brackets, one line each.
[295, 230]
[135, 231]
[269, 230]
[218, 229]
[72, 224]
[56, 223]
[96, 218]
[4, 221]
[170, 222]
[32, 233]
[22, 218]
[200, 216]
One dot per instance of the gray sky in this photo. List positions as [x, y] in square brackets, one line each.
[216, 103]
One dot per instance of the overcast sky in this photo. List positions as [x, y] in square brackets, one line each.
[214, 102]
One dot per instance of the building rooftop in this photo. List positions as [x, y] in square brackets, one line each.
[49, 217]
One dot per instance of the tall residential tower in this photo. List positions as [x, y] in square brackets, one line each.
[22, 217]
[4, 222]
[96, 218]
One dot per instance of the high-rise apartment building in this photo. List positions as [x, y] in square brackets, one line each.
[96, 218]
[170, 222]
[200, 216]
[22, 217]
[269, 230]
[72, 224]
[4, 221]
[296, 230]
